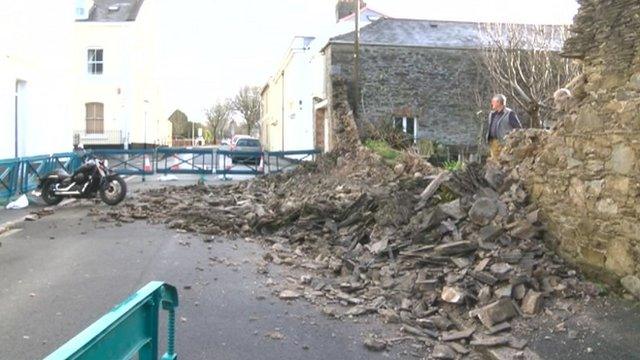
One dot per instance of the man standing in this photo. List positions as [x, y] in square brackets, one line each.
[502, 121]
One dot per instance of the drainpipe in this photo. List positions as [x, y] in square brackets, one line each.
[16, 121]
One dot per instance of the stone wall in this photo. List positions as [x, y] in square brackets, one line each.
[585, 174]
[438, 86]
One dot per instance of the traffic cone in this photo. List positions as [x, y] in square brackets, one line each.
[176, 163]
[261, 166]
[147, 164]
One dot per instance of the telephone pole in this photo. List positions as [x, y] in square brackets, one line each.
[356, 58]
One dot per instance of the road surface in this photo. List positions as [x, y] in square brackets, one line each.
[62, 272]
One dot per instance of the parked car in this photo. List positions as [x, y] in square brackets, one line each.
[235, 139]
[248, 145]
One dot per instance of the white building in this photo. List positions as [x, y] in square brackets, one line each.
[294, 97]
[35, 91]
[117, 100]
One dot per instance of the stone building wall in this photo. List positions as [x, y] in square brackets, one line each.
[585, 174]
[435, 85]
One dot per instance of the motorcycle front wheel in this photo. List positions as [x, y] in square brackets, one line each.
[48, 193]
[114, 191]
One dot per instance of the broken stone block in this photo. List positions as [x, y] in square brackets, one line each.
[531, 302]
[442, 351]
[455, 248]
[483, 277]
[632, 285]
[419, 332]
[460, 349]
[482, 264]
[484, 295]
[504, 291]
[497, 312]
[389, 316]
[519, 291]
[458, 335]
[507, 353]
[441, 322]
[489, 340]
[374, 344]
[453, 209]
[489, 233]
[500, 269]
[289, 295]
[452, 295]
[483, 211]
[498, 328]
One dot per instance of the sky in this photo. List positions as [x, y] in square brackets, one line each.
[211, 48]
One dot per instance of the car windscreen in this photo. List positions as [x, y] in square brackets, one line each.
[248, 142]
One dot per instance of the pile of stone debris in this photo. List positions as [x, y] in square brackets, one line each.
[452, 257]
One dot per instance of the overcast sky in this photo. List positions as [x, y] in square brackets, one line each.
[210, 48]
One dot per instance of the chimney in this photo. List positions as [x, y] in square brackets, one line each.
[83, 8]
[345, 8]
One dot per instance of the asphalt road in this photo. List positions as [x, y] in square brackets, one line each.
[64, 271]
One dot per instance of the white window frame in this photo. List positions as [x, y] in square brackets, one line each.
[404, 125]
[92, 63]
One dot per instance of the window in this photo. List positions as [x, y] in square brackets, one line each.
[408, 125]
[94, 118]
[248, 142]
[95, 61]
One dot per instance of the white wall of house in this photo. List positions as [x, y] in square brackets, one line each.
[288, 110]
[128, 87]
[287, 119]
[34, 53]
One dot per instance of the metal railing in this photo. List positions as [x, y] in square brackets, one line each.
[9, 175]
[129, 329]
[21, 175]
[279, 161]
[128, 162]
[184, 161]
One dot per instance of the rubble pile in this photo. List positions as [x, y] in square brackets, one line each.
[452, 257]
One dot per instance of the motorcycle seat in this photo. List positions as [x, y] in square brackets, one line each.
[62, 174]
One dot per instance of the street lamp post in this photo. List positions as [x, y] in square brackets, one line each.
[144, 156]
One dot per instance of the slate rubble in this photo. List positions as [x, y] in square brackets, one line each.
[453, 269]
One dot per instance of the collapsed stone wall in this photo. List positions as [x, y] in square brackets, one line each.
[345, 136]
[585, 174]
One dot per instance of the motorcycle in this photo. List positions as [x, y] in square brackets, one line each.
[93, 177]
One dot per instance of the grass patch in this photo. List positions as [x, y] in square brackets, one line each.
[383, 149]
[453, 165]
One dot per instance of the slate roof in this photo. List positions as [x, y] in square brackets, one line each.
[422, 33]
[441, 34]
[122, 10]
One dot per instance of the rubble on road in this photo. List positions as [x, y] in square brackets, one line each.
[453, 257]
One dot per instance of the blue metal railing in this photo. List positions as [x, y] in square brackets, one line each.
[21, 175]
[184, 161]
[129, 329]
[9, 174]
[288, 159]
[249, 162]
[128, 162]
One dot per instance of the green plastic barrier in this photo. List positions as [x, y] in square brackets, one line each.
[130, 328]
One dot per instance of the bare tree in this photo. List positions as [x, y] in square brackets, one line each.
[524, 63]
[218, 117]
[247, 103]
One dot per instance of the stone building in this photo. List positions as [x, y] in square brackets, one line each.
[419, 75]
[585, 175]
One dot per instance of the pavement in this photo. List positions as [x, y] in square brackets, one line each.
[63, 271]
